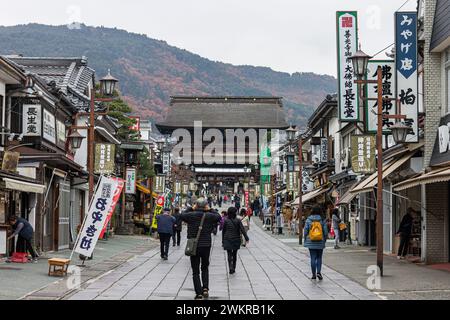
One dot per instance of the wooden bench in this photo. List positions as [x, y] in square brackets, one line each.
[60, 267]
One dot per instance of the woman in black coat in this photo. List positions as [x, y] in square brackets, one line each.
[231, 237]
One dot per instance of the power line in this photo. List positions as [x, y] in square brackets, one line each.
[403, 5]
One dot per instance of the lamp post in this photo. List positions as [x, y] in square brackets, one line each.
[360, 62]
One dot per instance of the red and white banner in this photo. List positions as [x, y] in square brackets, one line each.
[116, 198]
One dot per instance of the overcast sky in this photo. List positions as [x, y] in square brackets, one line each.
[286, 35]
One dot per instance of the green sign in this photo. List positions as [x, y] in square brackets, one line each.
[104, 158]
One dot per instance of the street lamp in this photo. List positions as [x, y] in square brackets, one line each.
[108, 84]
[400, 131]
[75, 139]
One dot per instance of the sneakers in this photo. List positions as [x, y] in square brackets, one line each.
[313, 277]
[337, 247]
[319, 276]
[165, 257]
[198, 297]
[205, 293]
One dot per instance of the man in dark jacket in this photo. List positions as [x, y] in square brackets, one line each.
[165, 230]
[193, 220]
[177, 228]
[256, 206]
[24, 230]
[404, 231]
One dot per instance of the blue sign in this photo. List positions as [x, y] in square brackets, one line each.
[278, 207]
[406, 42]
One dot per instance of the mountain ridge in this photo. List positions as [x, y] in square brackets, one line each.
[151, 70]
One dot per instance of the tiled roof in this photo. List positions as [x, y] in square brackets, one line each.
[71, 75]
[225, 112]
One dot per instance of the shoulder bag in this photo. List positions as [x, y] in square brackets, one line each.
[191, 245]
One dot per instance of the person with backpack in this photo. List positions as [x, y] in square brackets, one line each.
[233, 230]
[335, 220]
[315, 237]
[200, 224]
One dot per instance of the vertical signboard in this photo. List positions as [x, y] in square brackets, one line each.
[116, 198]
[49, 127]
[97, 215]
[406, 66]
[158, 210]
[292, 181]
[363, 153]
[324, 150]
[104, 158]
[159, 183]
[31, 120]
[307, 183]
[388, 90]
[347, 41]
[130, 187]
[166, 162]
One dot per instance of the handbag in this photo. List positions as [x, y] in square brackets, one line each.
[191, 245]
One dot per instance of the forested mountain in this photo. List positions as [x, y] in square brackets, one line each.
[150, 71]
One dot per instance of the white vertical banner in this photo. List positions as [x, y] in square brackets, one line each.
[130, 186]
[96, 216]
[347, 44]
[388, 90]
[406, 66]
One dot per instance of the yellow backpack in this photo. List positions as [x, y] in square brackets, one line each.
[316, 232]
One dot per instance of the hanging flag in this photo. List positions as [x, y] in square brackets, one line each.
[117, 193]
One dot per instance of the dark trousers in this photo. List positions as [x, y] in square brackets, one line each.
[203, 258]
[316, 260]
[176, 237]
[164, 239]
[24, 245]
[404, 243]
[232, 258]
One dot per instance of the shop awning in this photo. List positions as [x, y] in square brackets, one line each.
[348, 196]
[310, 195]
[434, 176]
[369, 183]
[145, 190]
[23, 186]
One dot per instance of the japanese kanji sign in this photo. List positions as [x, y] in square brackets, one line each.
[116, 197]
[96, 216]
[323, 150]
[104, 158]
[363, 153]
[388, 90]
[267, 189]
[31, 120]
[49, 126]
[159, 183]
[406, 66]
[292, 180]
[347, 41]
[130, 187]
[307, 183]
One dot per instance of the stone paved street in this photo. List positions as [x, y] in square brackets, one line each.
[267, 269]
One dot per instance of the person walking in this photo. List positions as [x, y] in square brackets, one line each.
[193, 220]
[315, 237]
[165, 223]
[256, 206]
[233, 230]
[220, 200]
[404, 231]
[245, 220]
[237, 202]
[222, 219]
[335, 221]
[177, 227]
[23, 229]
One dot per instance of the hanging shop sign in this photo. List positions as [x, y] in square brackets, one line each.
[95, 219]
[185, 188]
[388, 90]
[104, 158]
[257, 190]
[116, 198]
[267, 189]
[307, 182]
[49, 127]
[158, 210]
[177, 187]
[246, 199]
[323, 150]
[292, 181]
[10, 161]
[166, 162]
[441, 151]
[31, 120]
[347, 40]
[363, 154]
[130, 187]
[159, 183]
[61, 132]
[278, 205]
[406, 67]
